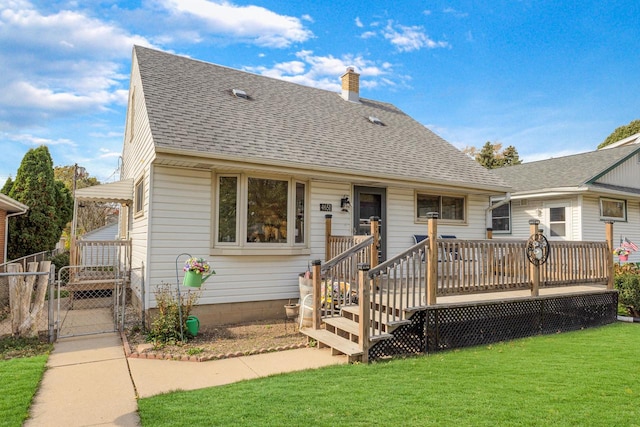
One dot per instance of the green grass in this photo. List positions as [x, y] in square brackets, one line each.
[584, 378]
[18, 384]
[22, 364]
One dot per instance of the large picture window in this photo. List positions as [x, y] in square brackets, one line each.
[501, 218]
[449, 208]
[255, 211]
[613, 209]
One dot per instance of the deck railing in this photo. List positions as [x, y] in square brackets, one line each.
[103, 252]
[399, 286]
[339, 244]
[339, 277]
[101, 259]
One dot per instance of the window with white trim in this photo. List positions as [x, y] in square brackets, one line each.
[138, 203]
[449, 208]
[501, 218]
[558, 221]
[256, 211]
[613, 209]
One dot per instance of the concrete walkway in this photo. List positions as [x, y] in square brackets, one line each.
[90, 382]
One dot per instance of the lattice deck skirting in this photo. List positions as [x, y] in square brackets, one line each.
[450, 326]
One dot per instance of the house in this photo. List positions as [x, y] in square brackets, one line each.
[241, 169]
[572, 196]
[8, 208]
[633, 139]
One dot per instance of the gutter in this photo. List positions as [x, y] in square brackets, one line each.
[488, 220]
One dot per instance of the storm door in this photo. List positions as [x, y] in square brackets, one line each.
[368, 202]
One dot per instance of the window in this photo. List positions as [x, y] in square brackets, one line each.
[138, 203]
[254, 211]
[227, 206]
[449, 208]
[501, 218]
[557, 222]
[612, 209]
[267, 210]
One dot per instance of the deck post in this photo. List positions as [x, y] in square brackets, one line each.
[364, 310]
[375, 232]
[489, 233]
[432, 258]
[317, 290]
[327, 237]
[534, 269]
[610, 268]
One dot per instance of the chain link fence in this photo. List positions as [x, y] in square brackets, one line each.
[78, 300]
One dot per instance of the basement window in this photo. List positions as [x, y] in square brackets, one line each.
[240, 94]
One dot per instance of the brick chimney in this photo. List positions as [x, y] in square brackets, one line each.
[351, 85]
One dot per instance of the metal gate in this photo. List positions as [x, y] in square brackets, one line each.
[90, 300]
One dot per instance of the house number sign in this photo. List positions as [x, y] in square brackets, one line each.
[325, 207]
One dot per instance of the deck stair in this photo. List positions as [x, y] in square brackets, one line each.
[342, 333]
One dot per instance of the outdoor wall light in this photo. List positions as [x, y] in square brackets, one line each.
[345, 204]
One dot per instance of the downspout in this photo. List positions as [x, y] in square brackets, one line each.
[488, 220]
[6, 230]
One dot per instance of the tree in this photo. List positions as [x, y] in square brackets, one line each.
[492, 156]
[49, 206]
[7, 186]
[621, 132]
[510, 156]
[90, 215]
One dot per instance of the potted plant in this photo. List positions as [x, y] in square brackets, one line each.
[622, 253]
[197, 270]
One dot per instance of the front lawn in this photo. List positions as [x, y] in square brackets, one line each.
[580, 378]
[22, 364]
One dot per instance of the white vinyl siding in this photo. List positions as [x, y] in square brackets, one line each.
[137, 155]
[625, 175]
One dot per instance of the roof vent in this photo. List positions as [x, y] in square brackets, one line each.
[240, 93]
[376, 121]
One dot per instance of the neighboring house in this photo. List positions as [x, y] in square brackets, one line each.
[633, 139]
[241, 169]
[100, 254]
[572, 196]
[8, 208]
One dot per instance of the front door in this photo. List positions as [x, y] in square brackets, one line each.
[368, 202]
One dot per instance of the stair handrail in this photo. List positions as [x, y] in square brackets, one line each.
[346, 254]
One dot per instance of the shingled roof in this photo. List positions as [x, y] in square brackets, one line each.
[574, 171]
[192, 110]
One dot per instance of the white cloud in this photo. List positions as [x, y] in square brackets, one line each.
[249, 23]
[368, 34]
[410, 38]
[457, 14]
[358, 22]
[324, 71]
[28, 139]
[60, 63]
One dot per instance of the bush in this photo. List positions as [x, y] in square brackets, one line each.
[628, 286]
[165, 328]
[60, 260]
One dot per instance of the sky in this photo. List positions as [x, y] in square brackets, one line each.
[550, 78]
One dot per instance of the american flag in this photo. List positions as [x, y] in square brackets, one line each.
[628, 244]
